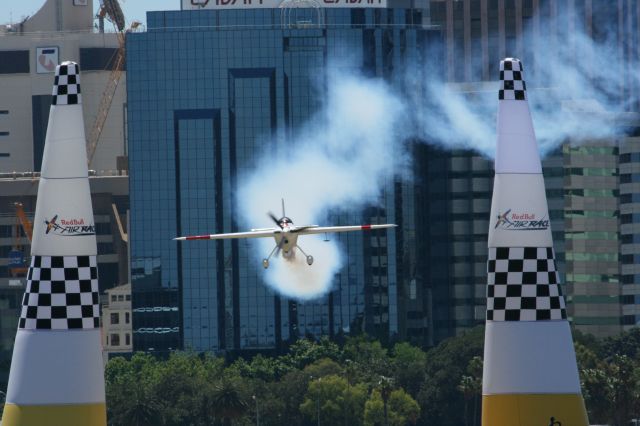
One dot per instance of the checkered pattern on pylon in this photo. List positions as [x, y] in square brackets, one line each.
[523, 285]
[66, 86]
[62, 293]
[512, 85]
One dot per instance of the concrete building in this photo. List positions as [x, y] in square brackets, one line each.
[116, 320]
[29, 52]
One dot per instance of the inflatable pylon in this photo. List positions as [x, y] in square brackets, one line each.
[530, 375]
[56, 376]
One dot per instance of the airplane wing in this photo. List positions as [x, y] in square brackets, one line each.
[330, 229]
[234, 235]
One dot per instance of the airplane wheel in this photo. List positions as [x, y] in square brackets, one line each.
[309, 260]
[265, 263]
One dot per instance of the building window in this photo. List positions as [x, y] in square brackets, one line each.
[98, 58]
[128, 297]
[127, 339]
[14, 61]
[120, 298]
[115, 340]
[113, 298]
[115, 318]
[4, 133]
[126, 318]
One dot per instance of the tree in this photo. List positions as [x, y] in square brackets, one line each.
[624, 380]
[627, 343]
[290, 392]
[402, 409]
[370, 358]
[335, 401]
[408, 367]
[597, 392]
[130, 398]
[305, 351]
[471, 388]
[176, 385]
[440, 400]
[226, 400]
[323, 367]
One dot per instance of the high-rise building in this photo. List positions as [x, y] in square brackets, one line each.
[593, 244]
[203, 87]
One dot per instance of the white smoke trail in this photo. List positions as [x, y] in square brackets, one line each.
[340, 159]
[337, 162]
[575, 89]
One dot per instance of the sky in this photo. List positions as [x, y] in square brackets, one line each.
[134, 10]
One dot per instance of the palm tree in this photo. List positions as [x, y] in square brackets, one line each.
[142, 410]
[226, 401]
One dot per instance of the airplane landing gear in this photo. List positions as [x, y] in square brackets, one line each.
[309, 257]
[265, 263]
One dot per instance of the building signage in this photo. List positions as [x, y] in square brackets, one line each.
[46, 59]
[521, 221]
[71, 227]
[274, 4]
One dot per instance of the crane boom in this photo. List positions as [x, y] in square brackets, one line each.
[105, 102]
[24, 220]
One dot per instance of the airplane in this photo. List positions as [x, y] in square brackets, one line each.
[285, 235]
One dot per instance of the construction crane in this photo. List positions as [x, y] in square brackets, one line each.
[110, 10]
[24, 220]
[17, 264]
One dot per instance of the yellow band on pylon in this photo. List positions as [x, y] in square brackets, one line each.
[54, 415]
[533, 410]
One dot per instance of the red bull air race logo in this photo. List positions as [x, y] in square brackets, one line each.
[511, 221]
[68, 227]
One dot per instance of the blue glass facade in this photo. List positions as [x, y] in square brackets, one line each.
[204, 88]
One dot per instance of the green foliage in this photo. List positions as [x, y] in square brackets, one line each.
[305, 351]
[323, 367]
[227, 399]
[335, 401]
[441, 401]
[610, 377]
[260, 367]
[627, 344]
[401, 409]
[369, 359]
[471, 388]
[409, 366]
[350, 385]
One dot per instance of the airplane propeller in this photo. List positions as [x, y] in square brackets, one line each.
[275, 219]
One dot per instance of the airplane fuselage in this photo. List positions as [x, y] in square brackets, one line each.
[289, 243]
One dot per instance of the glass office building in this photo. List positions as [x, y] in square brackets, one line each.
[204, 87]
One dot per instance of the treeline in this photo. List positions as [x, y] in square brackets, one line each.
[360, 382]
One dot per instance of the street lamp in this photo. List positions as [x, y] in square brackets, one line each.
[257, 411]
